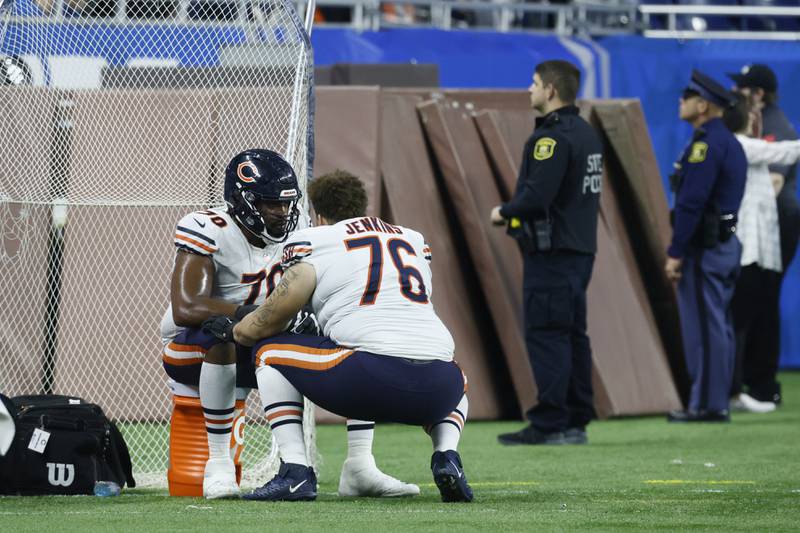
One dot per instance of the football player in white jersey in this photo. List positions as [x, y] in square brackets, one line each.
[228, 262]
[385, 355]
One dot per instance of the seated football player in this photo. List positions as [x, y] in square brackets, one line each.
[385, 356]
[228, 262]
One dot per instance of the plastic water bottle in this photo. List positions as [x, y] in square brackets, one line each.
[106, 488]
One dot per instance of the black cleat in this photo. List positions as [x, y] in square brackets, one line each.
[292, 483]
[681, 417]
[531, 435]
[576, 436]
[449, 476]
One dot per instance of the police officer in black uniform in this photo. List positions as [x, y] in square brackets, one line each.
[553, 216]
[703, 257]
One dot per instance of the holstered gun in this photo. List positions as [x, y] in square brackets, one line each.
[534, 236]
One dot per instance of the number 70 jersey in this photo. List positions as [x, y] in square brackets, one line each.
[243, 273]
[373, 287]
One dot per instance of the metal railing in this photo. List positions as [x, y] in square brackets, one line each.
[695, 15]
[583, 18]
[577, 18]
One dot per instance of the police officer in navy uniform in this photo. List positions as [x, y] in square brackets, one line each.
[553, 216]
[703, 257]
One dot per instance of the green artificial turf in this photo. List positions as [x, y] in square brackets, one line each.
[636, 474]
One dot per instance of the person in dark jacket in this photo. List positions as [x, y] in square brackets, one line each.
[762, 343]
[553, 216]
[703, 257]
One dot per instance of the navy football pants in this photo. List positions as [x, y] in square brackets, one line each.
[363, 385]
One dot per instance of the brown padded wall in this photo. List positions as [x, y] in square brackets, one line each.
[474, 99]
[23, 294]
[124, 341]
[472, 190]
[347, 133]
[644, 207]
[27, 128]
[386, 74]
[649, 385]
[417, 202]
[500, 132]
[235, 131]
[628, 354]
[133, 177]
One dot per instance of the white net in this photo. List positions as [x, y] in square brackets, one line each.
[117, 118]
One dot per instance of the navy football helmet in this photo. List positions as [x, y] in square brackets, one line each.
[258, 175]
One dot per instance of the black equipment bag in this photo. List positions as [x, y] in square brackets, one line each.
[62, 445]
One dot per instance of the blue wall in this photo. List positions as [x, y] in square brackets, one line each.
[653, 70]
[465, 59]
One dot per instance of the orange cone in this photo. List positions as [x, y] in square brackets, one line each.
[188, 445]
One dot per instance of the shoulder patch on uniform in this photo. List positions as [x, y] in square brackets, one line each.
[544, 148]
[294, 252]
[698, 152]
[195, 237]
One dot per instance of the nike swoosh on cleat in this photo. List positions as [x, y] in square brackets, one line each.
[294, 489]
[201, 224]
[457, 470]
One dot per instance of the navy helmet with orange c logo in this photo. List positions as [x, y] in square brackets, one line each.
[259, 175]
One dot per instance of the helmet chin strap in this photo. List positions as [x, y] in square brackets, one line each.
[289, 221]
[266, 237]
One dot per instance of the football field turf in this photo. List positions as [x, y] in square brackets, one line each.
[636, 474]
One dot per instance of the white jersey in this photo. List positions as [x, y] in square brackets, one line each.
[373, 288]
[243, 273]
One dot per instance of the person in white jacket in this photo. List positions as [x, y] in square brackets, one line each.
[755, 299]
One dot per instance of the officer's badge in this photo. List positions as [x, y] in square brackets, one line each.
[698, 152]
[544, 148]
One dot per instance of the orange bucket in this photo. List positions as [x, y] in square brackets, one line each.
[188, 446]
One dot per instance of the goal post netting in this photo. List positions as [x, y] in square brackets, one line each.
[117, 117]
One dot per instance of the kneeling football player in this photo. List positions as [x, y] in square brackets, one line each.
[228, 262]
[385, 356]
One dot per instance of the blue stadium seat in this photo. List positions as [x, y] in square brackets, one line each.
[770, 23]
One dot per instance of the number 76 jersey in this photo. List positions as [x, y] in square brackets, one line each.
[373, 288]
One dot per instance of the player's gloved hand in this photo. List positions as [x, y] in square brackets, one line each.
[220, 327]
[305, 323]
[244, 310]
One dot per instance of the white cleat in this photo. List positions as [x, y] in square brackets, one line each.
[219, 479]
[745, 402]
[361, 477]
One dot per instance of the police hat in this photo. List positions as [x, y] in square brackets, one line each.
[708, 89]
[756, 75]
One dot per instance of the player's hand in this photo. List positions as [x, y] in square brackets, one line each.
[672, 268]
[305, 323]
[496, 218]
[244, 310]
[220, 327]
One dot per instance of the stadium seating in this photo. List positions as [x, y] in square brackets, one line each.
[707, 22]
[770, 24]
